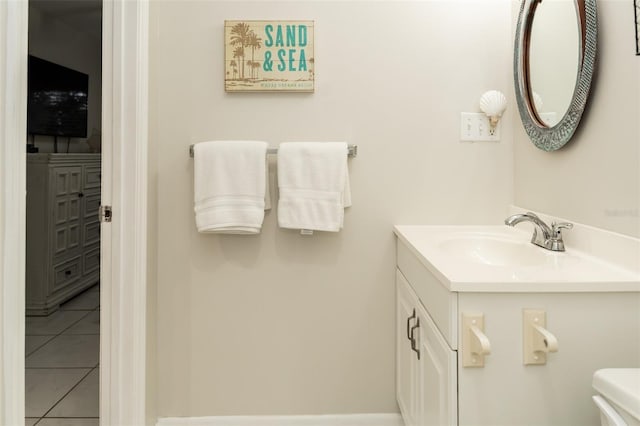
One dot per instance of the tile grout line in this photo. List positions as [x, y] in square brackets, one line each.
[60, 368]
[59, 334]
[74, 334]
[71, 310]
[48, 335]
[88, 311]
[53, 336]
[66, 394]
[80, 319]
[64, 418]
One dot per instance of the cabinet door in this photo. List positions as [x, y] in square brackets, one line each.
[437, 376]
[406, 358]
[65, 201]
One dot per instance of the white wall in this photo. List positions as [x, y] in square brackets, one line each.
[595, 178]
[55, 41]
[285, 324]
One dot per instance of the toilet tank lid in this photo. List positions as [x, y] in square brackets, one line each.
[620, 386]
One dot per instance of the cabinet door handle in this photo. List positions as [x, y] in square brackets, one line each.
[414, 346]
[413, 315]
[80, 195]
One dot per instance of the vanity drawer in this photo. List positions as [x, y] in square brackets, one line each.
[441, 304]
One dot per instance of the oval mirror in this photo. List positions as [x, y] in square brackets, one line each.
[554, 60]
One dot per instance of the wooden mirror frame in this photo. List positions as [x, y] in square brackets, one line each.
[555, 137]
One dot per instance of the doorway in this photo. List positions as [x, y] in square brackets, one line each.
[124, 383]
[62, 273]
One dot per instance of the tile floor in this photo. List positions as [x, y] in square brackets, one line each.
[62, 370]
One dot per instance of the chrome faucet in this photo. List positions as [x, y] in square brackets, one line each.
[544, 236]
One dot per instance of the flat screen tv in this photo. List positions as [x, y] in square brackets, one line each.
[58, 100]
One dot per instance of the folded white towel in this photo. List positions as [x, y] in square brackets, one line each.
[229, 186]
[313, 180]
[267, 184]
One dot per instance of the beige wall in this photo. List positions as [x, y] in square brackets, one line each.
[595, 179]
[285, 324]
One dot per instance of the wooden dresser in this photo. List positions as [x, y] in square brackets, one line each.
[63, 228]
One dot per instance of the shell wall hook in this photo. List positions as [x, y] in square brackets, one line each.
[493, 103]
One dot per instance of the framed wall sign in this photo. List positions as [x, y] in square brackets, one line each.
[269, 56]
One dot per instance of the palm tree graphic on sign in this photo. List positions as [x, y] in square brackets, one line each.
[238, 53]
[234, 67]
[242, 36]
[254, 42]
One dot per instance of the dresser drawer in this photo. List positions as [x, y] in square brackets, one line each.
[92, 177]
[91, 233]
[91, 259]
[91, 206]
[66, 273]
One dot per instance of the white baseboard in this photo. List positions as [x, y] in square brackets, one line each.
[391, 419]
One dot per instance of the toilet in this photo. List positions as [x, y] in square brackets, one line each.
[619, 396]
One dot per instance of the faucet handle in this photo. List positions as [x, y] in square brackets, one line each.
[557, 227]
[556, 235]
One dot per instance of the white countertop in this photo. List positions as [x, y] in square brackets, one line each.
[467, 271]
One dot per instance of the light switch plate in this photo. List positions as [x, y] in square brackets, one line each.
[475, 127]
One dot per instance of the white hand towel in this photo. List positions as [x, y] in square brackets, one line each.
[267, 184]
[229, 186]
[313, 183]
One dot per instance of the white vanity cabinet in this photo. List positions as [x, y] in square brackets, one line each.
[426, 365]
[596, 327]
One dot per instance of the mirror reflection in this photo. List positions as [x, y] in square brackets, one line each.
[554, 58]
[552, 75]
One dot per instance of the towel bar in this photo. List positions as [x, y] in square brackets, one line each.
[353, 150]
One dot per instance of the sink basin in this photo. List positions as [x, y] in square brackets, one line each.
[491, 249]
[502, 258]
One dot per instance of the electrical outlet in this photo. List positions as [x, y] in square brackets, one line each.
[476, 127]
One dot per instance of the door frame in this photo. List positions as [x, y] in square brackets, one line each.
[13, 125]
[123, 397]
